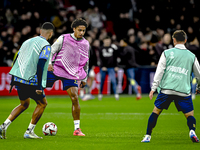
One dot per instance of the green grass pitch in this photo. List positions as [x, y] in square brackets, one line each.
[108, 125]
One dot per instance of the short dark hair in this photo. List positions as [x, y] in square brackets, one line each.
[179, 35]
[79, 22]
[47, 26]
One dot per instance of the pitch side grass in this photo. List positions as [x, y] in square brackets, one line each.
[108, 125]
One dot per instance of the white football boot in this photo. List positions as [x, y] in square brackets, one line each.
[31, 135]
[146, 139]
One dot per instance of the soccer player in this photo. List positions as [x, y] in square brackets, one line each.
[128, 62]
[173, 77]
[70, 58]
[108, 55]
[29, 74]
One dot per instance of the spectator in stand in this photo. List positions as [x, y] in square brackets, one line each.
[108, 55]
[193, 46]
[166, 44]
[13, 47]
[3, 54]
[128, 63]
[104, 14]
[190, 34]
[97, 18]
[153, 55]
[143, 55]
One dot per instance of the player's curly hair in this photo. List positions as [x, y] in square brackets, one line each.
[179, 35]
[78, 22]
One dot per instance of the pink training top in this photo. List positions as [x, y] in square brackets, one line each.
[72, 58]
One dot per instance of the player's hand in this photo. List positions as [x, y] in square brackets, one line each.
[39, 92]
[116, 69]
[197, 91]
[104, 69]
[83, 84]
[151, 95]
[50, 67]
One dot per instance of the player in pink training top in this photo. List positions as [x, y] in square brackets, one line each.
[69, 62]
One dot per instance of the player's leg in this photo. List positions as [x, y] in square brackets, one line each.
[151, 123]
[185, 105]
[14, 114]
[24, 103]
[73, 93]
[111, 73]
[191, 122]
[103, 76]
[153, 119]
[133, 82]
[71, 86]
[41, 105]
[162, 102]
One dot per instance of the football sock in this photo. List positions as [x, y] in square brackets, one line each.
[191, 122]
[6, 124]
[31, 128]
[76, 124]
[151, 122]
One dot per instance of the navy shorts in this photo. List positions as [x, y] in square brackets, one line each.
[28, 91]
[183, 104]
[67, 83]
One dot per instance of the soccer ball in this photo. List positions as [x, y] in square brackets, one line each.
[49, 128]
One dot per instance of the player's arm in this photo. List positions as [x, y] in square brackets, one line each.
[55, 48]
[158, 75]
[196, 71]
[44, 55]
[40, 68]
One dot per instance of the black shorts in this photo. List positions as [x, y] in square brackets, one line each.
[28, 91]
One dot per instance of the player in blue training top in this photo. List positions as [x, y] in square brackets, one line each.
[29, 74]
[173, 77]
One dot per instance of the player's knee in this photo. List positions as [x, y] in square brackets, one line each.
[44, 104]
[74, 98]
[191, 113]
[25, 105]
[157, 110]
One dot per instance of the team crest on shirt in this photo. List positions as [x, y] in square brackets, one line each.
[171, 55]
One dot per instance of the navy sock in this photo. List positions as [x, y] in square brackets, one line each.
[151, 122]
[191, 122]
